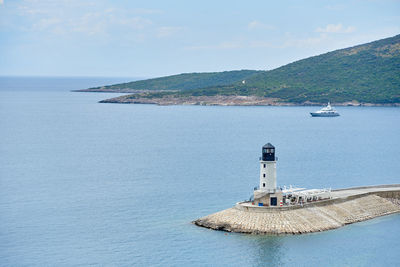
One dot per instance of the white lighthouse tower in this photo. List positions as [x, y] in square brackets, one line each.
[267, 194]
[268, 169]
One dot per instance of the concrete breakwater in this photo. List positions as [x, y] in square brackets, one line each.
[347, 206]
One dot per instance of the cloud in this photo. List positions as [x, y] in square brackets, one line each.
[166, 31]
[1, 2]
[335, 7]
[136, 23]
[46, 23]
[220, 46]
[258, 25]
[261, 44]
[90, 19]
[305, 42]
[147, 11]
[336, 28]
[98, 22]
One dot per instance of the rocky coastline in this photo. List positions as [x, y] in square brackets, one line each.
[222, 100]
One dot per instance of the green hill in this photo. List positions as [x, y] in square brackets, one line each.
[368, 73]
[186, 81]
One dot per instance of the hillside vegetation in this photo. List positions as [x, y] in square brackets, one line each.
[185, 81]
[367, 73]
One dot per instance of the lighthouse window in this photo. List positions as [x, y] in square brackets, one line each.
[264, 166]
[263, 184]
[263, 174]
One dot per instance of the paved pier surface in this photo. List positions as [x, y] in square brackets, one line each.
[347, 206]
[347, 192]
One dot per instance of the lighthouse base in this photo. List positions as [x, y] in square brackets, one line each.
[263, 198]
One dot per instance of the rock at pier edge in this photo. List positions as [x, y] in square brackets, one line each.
[279, 211]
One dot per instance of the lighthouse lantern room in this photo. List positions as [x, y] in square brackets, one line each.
[268, 169]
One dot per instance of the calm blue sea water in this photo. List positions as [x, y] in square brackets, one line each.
[83, 183]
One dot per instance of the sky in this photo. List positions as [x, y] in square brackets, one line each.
[122, 38]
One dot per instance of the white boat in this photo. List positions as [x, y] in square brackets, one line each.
[327, 111]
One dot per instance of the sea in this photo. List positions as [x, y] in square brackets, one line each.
[90, 184]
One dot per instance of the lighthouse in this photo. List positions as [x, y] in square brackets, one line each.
[267, 194]
[268, 169]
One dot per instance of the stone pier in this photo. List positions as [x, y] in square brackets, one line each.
[346, 206]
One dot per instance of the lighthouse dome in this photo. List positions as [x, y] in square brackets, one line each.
[268, 152]
[268, 145]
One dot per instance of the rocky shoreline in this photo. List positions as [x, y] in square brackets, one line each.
[221, 100]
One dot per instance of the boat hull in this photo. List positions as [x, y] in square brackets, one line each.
[314, 114]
